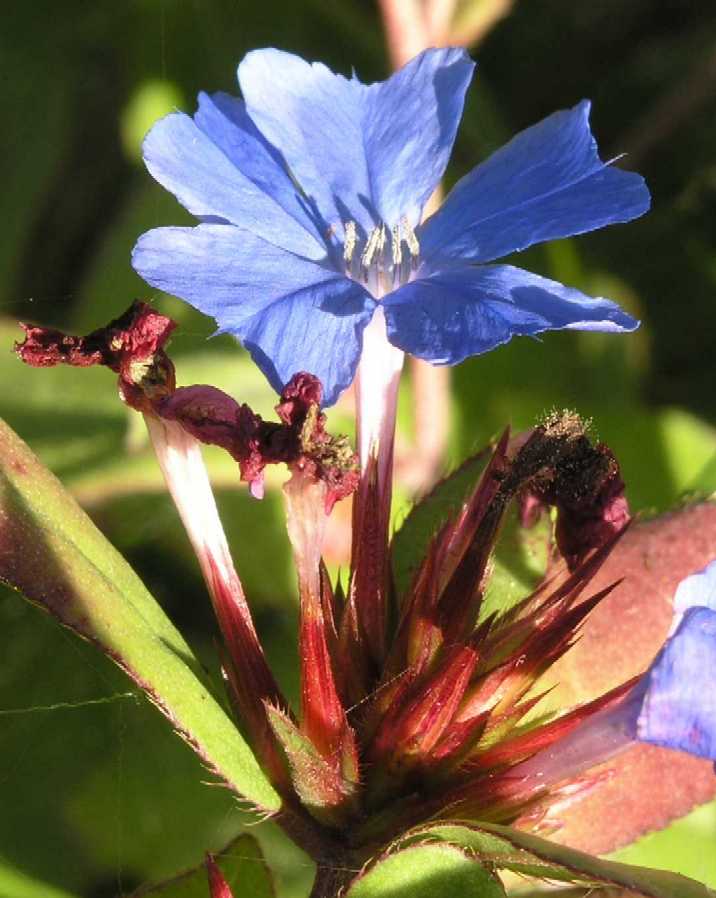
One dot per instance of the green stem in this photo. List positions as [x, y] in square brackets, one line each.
[331, 880]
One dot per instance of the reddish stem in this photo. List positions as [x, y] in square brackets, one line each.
[252, 683]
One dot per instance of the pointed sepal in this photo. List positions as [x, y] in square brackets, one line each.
[324, 787]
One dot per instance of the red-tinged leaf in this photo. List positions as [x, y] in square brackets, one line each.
[650, 786]
[529, 855]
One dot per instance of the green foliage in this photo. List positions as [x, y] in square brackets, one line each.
[683, 846]
[81, 744]
[15, 884]
[56, 557]
[426, 871]
[529, 855]
[520, 557]
[243, 867]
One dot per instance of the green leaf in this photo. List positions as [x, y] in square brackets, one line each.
[242, 864]
[412, 538]
[322, 790]
[686, 845]
[530, 855]
[15, 884]
[53, 554]
[427, 871]
[520, 557]
[518, 563]
[705, 481]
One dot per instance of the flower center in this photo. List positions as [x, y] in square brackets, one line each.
[380, 261]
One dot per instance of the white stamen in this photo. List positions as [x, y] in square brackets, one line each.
[350, 241]
[372, 245]
[397, 248]
[410, 238]
[382, 267]
[381, 241]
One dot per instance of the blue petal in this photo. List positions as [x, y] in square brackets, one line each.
[410, 125]
[362, 152]
[679, 709]
[225, 121]
[461, 312]
[318, 329]
[291, 313]
[546, 183]
[195, 165]
[698, 590]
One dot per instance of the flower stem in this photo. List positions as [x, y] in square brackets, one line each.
[601, 737]
[405, 26]
[323, 718]
[377, 396]
[331, 881]
[250, 679]
[377, 391]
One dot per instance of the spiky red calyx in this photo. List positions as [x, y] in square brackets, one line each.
[452, 712]
[441, 725]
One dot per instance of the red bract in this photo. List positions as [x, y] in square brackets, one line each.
[218, 886]
[436, 728]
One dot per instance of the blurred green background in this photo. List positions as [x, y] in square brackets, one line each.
[98, 797]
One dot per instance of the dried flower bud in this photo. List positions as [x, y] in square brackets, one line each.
[583, 483]
[131, 345]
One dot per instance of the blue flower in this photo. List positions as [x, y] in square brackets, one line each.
[673, 704]
[677, 706]
[310, 192]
